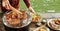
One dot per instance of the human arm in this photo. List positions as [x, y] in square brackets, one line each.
[29, 6]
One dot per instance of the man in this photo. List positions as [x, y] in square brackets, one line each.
[15, 4]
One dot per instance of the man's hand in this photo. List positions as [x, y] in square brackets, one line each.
[5, 4]
[31, 10]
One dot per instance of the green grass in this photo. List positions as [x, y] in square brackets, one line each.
[43, 5]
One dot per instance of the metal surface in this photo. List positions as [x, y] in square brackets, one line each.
[24, 23]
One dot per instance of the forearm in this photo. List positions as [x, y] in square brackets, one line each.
[27, 3]
[29, 6]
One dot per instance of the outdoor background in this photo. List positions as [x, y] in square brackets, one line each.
[42, 6]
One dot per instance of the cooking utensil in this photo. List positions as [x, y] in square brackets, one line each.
[24, 22]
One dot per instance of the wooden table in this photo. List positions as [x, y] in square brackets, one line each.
[32, 26]
[1, 23]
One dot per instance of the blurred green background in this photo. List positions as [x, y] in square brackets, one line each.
[42, 5]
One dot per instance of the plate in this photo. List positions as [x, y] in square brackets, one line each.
[47, 29]
[54, 26]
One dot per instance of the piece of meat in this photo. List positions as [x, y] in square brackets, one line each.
[8, 16]
[58, 21]
[23, 15]
[35, 18]
[14, 22]
[39, 30]
[20, 16]
[14, 18]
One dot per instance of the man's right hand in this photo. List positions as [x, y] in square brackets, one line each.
[5, 4]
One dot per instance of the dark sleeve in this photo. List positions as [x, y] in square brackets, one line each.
[27, 3]
[0, 3]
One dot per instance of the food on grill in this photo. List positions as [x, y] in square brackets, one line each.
[36, 17]
[54, 24]
[14, 18]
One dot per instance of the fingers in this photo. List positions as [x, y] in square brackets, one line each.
[5, 4]
[31, 10]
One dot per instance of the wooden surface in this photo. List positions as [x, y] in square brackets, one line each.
[32, 26]
[0, 3]
[1, 23]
